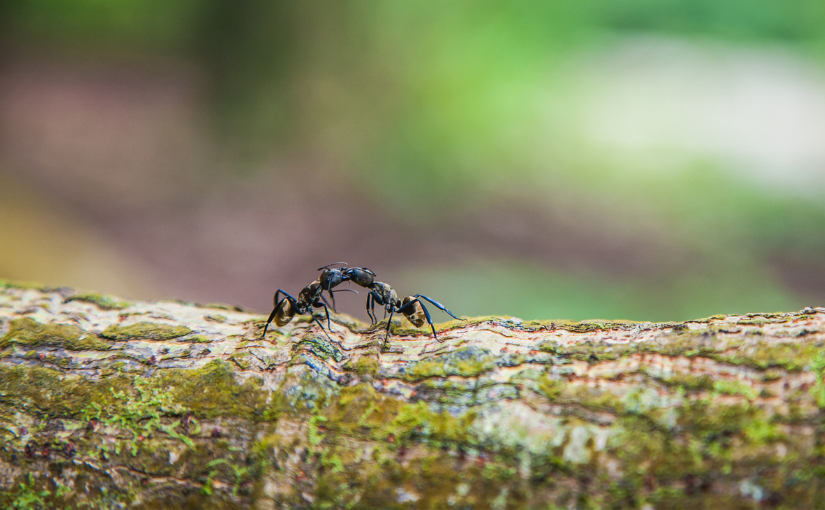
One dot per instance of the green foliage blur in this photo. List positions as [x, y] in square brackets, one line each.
[432, 108]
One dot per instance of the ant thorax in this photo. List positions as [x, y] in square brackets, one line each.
[386, 292]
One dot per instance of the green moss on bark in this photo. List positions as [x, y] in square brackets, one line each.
[721, 344]
[30, 333]
[466, 362]
[102, 301]
[209, 392]
[145, 330]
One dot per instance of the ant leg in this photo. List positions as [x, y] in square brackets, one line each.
[271, 316]
[332, 295]
[389, 322]
[439, 305]
[318, 304]
[430, 320]
[376, 298]
[340, 290]
[327, 302]
[369, 300]
[315, 318]
[326, 310]
[285, 293]
[410, 304]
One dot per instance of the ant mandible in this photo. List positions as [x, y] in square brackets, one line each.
[309, 298]
[384, 295]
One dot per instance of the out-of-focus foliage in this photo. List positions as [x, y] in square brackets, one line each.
[428, 109]
[106, 26]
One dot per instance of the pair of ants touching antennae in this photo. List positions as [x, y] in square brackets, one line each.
[312, 296]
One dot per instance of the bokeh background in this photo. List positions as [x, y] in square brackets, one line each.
[648, 160]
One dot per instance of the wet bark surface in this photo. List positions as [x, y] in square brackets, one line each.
[107, 403]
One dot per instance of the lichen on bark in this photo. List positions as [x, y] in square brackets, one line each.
[106, 403]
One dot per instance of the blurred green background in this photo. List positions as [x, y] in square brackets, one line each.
[647, 160]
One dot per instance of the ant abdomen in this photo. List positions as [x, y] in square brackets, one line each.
[284, 313]
[414, 312]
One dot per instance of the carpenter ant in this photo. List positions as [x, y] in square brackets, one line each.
[309, 298]
[384, 295]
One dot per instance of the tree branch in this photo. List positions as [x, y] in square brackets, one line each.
[110, 403]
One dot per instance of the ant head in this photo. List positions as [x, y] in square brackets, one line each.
[360, 275]
[330, 277]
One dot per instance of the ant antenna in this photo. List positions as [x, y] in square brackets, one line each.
[330, 265]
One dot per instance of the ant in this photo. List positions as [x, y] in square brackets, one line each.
[384, 295]
[309, 298]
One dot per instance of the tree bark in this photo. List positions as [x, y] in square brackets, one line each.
[112, 404]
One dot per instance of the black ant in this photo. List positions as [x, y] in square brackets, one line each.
[384, 295]
[309, 298]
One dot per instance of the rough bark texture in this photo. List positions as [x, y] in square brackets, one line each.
[110, 404]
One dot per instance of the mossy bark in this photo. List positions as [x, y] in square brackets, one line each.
[112, 404]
